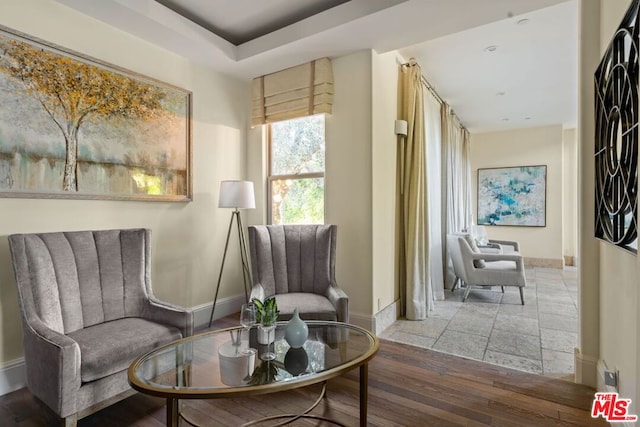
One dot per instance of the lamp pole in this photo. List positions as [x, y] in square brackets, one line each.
[235, 194]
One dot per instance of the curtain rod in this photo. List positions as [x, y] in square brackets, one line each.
[412, 63]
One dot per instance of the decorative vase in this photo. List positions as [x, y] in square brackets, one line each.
[297, 331]
[266, 334]
[235, 366]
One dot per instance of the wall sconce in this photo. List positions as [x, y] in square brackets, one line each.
[400, 127]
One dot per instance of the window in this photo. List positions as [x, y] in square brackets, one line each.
[296, 171]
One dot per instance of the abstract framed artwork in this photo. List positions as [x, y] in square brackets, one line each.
[616, 137]
[72, 126]
[513, 196]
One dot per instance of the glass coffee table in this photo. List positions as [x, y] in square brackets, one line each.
[226, 363]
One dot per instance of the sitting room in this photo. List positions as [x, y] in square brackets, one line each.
[177, 177]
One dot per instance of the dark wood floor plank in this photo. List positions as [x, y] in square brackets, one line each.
[408, 386]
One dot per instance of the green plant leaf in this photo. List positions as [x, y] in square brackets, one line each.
[266, 311]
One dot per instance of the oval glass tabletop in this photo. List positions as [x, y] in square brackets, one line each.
[228, 362]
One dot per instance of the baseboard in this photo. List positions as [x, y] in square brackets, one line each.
[12, 376]
[586, 369]
[543, 262]
[385, 317]
[224, 307]
[362, 320]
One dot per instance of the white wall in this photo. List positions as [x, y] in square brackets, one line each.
[187, 238]
[384, 146]
[525, 147]
[348, 188]
[619, 295]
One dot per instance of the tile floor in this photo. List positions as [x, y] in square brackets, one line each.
[538, 337]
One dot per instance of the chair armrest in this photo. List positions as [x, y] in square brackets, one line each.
[509, 256]
[340, 301]
[515, 245]
[468, 256]
[257, 291]
[53, 366]
[490, 248]
[169, 314]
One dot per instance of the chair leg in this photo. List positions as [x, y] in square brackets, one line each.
[502, 289]
[521, 294]
[455, 283]
[466, 293]
[70, 421]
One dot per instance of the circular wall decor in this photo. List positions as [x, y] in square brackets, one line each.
[616, 138]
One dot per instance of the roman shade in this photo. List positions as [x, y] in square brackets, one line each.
[298, 91]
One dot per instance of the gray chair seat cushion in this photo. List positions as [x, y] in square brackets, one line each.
[110, 347]
[310, 306]
[501, 265]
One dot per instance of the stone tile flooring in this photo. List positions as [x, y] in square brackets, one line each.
[538, 337]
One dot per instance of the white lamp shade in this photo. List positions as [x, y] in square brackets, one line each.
[236, 194]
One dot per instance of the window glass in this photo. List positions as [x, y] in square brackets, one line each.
[296, 180]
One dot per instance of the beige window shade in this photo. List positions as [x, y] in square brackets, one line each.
[298, 91]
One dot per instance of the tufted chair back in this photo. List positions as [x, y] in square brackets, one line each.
[293, 258]
[79, 279]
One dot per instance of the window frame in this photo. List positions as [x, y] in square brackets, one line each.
[308, 175]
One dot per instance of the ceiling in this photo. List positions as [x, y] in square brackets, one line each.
[514, 73]
[239, 21]
[528, 80]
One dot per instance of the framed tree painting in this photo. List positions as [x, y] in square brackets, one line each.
[512, 196]
[76, 127]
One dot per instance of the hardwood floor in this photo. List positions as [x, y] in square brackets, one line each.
[408, 386]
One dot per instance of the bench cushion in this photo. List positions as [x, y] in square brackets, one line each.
[110, 347]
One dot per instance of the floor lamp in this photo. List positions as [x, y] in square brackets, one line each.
[237, 195]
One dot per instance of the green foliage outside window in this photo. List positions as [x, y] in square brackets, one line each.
[297, 171]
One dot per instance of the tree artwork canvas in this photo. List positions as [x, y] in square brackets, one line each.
[76, 127]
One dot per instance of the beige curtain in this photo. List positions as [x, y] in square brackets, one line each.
[456, 179]
[412, 241]
[298, 91]
[433, 131]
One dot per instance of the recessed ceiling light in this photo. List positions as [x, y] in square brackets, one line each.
[501, 93]
[522, 21]
[491, 48]
[527, 118]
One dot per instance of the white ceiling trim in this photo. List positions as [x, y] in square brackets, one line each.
[156, 23]
[314, 25]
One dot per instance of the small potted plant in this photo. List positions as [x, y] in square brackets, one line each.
[266, 316]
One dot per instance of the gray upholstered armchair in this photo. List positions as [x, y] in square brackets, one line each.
[296, 263]
[87, 312]
[476, 268]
